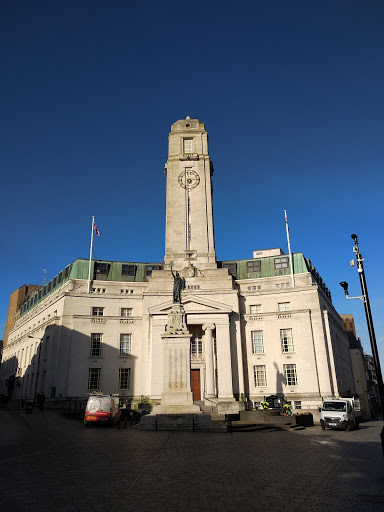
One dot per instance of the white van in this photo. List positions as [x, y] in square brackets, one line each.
[339, 413]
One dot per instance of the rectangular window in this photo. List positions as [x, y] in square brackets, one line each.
[124, 378]
[94, 379]
[97, 311]
[126, 312]
[290, 375]
[96, 341]
[60, 277]
[253, 266]
[66, 272]
[232, 267]
[260, 375]
[128, 270]
[297, 404]
[150, 268]
[281, 263]
[257, 342]
[197, 344]
[286, 340]
[284, 306]
[54, 282]
[256, 308]
[188, 146]
[49, 286]
[125, 344]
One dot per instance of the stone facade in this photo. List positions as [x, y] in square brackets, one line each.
[253, 330]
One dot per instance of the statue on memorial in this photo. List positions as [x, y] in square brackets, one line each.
[178, 286]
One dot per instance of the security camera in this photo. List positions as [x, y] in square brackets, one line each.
[355, 249]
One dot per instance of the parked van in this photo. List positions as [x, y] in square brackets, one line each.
[102, 408]
[340, 413]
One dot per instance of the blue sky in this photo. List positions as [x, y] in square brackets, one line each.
[292, 97]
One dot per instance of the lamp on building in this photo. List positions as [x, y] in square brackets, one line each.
[38, 362]
[364, 297]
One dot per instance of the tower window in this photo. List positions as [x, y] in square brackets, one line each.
[188, 146]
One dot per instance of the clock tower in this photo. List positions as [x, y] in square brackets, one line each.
[189, 234]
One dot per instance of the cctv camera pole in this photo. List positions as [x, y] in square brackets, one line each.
[371, 330]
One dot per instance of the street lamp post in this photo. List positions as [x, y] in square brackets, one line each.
[371, 331]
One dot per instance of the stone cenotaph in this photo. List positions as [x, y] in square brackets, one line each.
[177, 410]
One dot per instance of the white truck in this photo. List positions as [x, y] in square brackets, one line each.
[340, 413]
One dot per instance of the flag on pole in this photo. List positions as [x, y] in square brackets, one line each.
[96, 230]
[286, 220]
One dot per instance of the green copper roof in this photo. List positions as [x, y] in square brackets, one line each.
[128, 271]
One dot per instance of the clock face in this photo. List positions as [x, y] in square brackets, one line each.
[189, 179]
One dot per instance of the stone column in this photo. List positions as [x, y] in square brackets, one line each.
[224, 363]
[209, 366]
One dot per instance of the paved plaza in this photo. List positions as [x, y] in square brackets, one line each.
[53, 463]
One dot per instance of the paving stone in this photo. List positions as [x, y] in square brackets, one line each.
[49, 462]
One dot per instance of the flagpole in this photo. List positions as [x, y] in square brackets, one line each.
[90, 257]
[289, 249]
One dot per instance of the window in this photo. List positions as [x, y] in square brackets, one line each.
[232, 267]
[54, 282]
[96, 341]
[124, 378]
[128, 270]
[60, 277]
[149, 269]
[257, 342]
[255, 309]
[197, 344]
[188, 146]
[297, 404]
[125, 344]
[260, 376]
[49, 286]
[253, 266]
[290, 375]
[281, 263]
[126, 312]
[254, 288]
[66, 272]
[284, 306]
[101, 270]
[286, 340]
[94, 379]
[97, 311]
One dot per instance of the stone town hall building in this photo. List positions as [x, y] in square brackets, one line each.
[256, 329]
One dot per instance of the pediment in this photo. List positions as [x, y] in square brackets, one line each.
[192, 304]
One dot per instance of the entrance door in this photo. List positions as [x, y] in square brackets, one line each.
[195, 384]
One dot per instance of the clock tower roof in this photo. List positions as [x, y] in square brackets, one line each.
[188, 125]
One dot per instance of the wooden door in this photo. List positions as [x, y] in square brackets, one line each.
[195, 384]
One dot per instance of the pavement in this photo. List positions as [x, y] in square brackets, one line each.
[51, 462]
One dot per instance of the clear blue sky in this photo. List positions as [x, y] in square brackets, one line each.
[292, 97]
